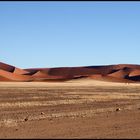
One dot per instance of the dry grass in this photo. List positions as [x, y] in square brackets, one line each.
[77, 82]
[74, 97]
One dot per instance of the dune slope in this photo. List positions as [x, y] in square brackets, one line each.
[113, 73]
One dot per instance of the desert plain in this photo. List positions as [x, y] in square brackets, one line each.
[70, 102]
[79, 108]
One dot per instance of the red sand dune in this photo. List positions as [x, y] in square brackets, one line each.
[135, 72]
[20, 71]
[39, 75]
[114, 73]
[14, 77]
[4, 79]
[6, 67]
[119, 74]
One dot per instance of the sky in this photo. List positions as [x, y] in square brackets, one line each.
[69, 33]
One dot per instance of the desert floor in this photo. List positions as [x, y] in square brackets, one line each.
[73, 109]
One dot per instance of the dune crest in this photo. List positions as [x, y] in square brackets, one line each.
[114, 73]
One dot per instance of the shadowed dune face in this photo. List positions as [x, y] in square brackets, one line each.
[6, 67]
[114, 73]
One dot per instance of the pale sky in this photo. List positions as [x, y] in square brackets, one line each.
[59, 34]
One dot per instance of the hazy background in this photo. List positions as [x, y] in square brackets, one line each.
[55, 34]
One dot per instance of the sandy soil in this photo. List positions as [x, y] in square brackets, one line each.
[74, 109]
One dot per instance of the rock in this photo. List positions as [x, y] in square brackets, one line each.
[42, 113]
[118, 109]
[26, 119]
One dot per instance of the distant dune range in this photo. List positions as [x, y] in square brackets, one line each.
[113, 73]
